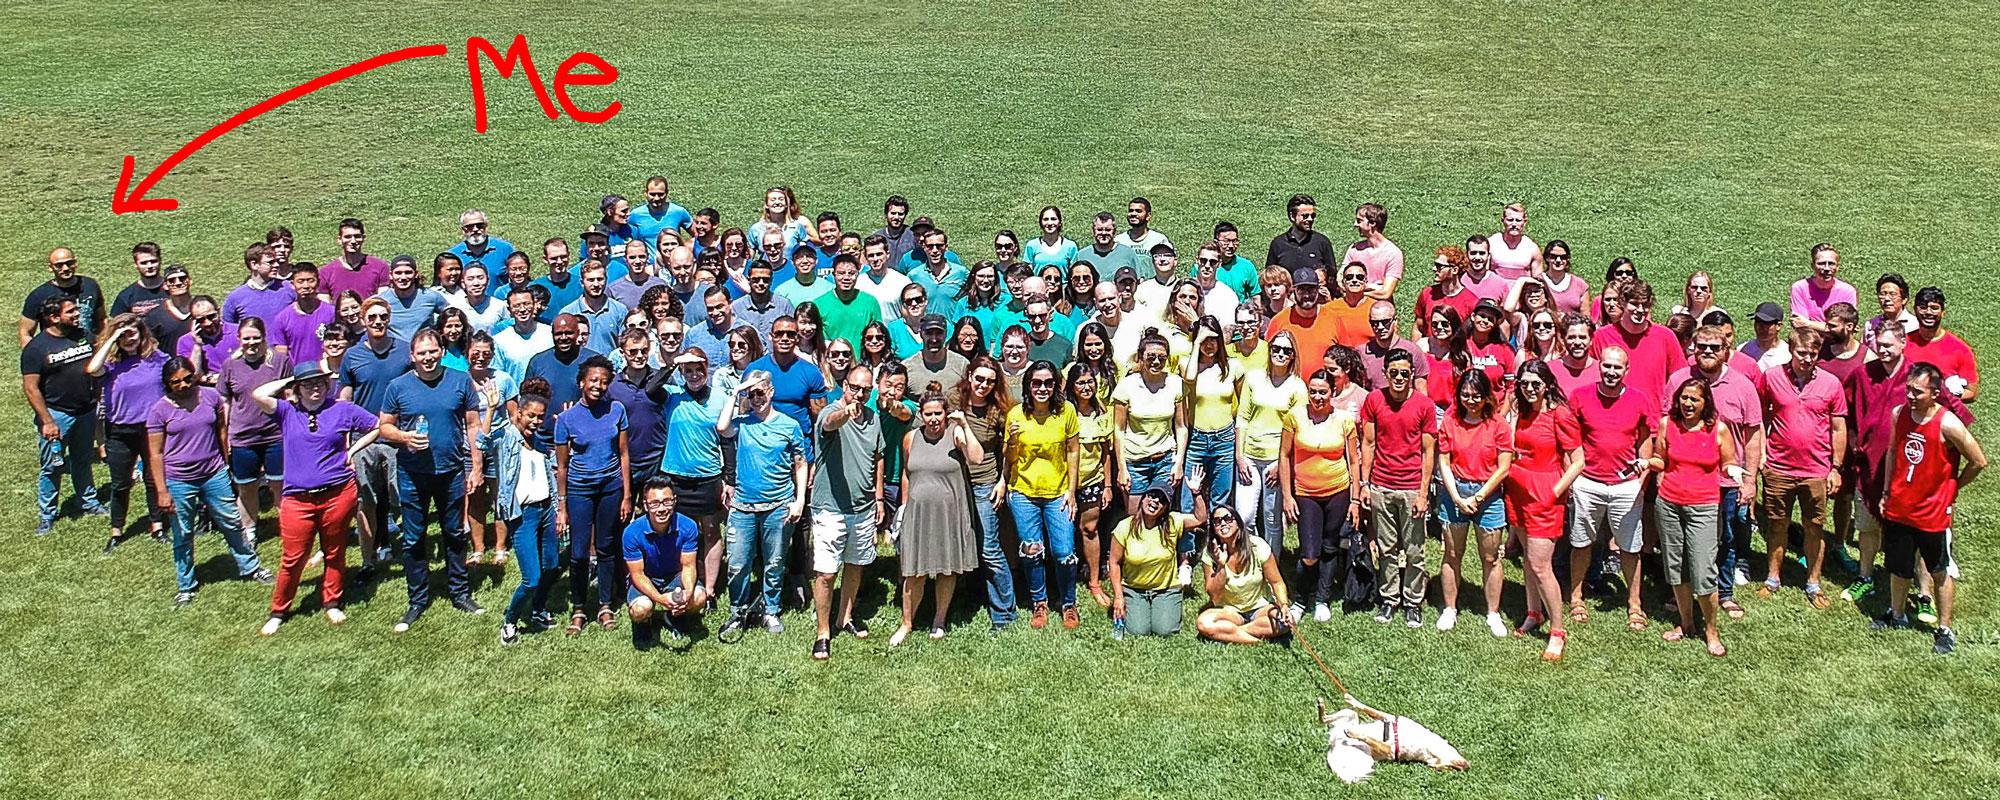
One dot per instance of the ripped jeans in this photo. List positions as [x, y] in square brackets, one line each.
[1045, 530]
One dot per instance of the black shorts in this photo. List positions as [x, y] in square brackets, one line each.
[1902, 544]
[697, 497]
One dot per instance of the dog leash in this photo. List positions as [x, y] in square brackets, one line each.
[1299, 633]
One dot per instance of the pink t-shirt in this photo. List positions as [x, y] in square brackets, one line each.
[1810, 301]
[1612, 430]
[1384, 261]
[1654, 355]
[1495, 358]
[1799, 422]
[1737, 404]
[1399, 438]
[1569, 298]
[1511, 262]
[1494, 287]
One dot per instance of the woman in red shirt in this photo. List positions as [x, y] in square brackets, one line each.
[1475, 449]
[1691, 450]
[1548, 455]
[1445, 326]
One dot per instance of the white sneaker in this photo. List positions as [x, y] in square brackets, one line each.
[1448, 619]
[1321, 613]
[270, 627]
[1496, 625]
[335, 616]
[1742, 577]
[1185, 575]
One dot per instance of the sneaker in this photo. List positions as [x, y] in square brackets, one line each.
[1322, 613]
[1889, 621]
[1944, 641]
[335, 616]
[856, 629]
[1859, 589]
[262, 576]
[1742, 578]
[271, 626]
[1926, 610]
[822, 650]
[1185, 575]
[44, 528]
[1413, 617]
[1118, 629]
[183, 599]
[110, 544]
[1448, 619]
[1040, 618]
[1296, 611]
[96, 510]
[468, 605]
[1496, 626]
[409, 618]
[772, 624]
[542, 619]
[1070, 619]
[732, 627]
[509, 633]
[1384, 613]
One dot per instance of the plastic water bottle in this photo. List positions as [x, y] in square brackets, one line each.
[422, 426]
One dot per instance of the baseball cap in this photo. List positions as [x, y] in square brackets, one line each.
[1770, 312]
[1487, 304]
[1162, 249]
[1305, 276]
[403, 258]
[692, 355]
[1125, 275]
[933, 321]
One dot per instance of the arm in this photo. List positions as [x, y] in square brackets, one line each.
[31, 385]
[1276, 580]
[1286, 447]
[475, 430]
[1725, 442]
[1072, 452]
[1839, 453]
[1119, 411]
[644, 583]
[725, 422]
[625, 475]
[1960, 439]
[1366, 466]
[801, 478]
[27, 330]
[695, 594]
[99, 360]
[1115, 561]
[1657, 461]
[395, 435]
[1492, 485]
[156, 467]
[1386, 290]
[561, 488]
[267, 394]
[1183, 422]
[1423, 503]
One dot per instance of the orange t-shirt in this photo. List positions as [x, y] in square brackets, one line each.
[1350, 323]
[1313, 336]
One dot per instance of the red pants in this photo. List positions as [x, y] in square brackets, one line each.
[324, 513]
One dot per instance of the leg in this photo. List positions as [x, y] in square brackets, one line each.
[1312, 545]
[120, 457]
[1491, 578]
[771, 541]
[81, 441]
[711, 535]
[451, 527]
[1813, 509]
[333, 528]
[1138, 612]
[579, 507]
[1221, 624]
[941, 603]
[606, 527]
[1029, 529]
[186, 498]
[826, 530]
[850, 588]
[1000, 605]
[1776, 516]
[415, 499]
[297, 521]
[1093, 554]
[526, 529]
[1543, 589]
[741, 544]
[913, 596]
[219, 499]
[1454, 562]
[1062, 552]
[1166, 610]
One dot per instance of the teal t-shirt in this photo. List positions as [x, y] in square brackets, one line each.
[844, 320]
[845, 478]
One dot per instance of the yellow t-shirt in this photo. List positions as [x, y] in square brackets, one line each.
[1150, 560]
[1256, 361]
[1215, 396]
[1246, 591]
[1264, 411]
[1040, 467]
[1149, 416]
[1319, 453]
[1093, 433]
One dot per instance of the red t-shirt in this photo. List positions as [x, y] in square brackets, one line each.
[1475, 449]
[1431, 297]
[1611, 431]
[1313, 336]
[1654, 355]
[1442, 385]
[1575, 383]
[1947, 352]
[1496, 359]
[1798, 422]
[1694, 466]
[1399, 438]
[1539, 445]
[1737, 404]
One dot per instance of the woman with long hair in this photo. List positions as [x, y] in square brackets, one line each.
[981, 404]
[256, 446]
[524, 497]
[1350, 380]
[322, 433]
[594, 469]
[1146, 597]
[1541, 336]
[1526, 298]
[734, 245]
[781, 214]
[1093, 347]
[1568, 291]
[1041, 451]
[1446, 330]
[1320, 452]
[982, 297]
[967, 339]
[1052, 247]
[1214, 382]
[935, 540]
[1246, 339]
[812, 332]
[1475, 448]
[1263, 414]
[1691, 451]
[1097, 461]
[454, 332]
[185, 438]
[497, 392]
[1548, 455]
[1240, 572]
[127, 365]
[746, 346]
[1151, 411]
[1079, 291]
[1698, 300]
[1621, 272]
[348, 308]
[1483, 346]
[877, 348]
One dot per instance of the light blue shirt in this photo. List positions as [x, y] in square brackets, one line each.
[766, 450]
[646, 225]
[605, 323]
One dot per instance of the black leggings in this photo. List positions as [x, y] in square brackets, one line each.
[1325, 537]
[124, 448]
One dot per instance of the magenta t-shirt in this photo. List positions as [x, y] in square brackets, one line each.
[193, 450]
[1811, 302]
[1612, 430]
[1493, 287]
[1737, 404]
[335, 278]
[1399, 438]
[1384, 261]
[1654, 355]
[299, 333]
[1569, 298]
[1574, 383]
[1798, 422]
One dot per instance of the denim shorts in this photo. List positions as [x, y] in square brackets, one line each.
[1490, 515]
[249, 463]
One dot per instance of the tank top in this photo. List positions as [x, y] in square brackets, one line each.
[1569, 298]
[1512, 262]
[1923, 475]
[1693, 461]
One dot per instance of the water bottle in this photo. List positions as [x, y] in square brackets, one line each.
[421, 426]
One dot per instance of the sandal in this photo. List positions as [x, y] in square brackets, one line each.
[1578, 614]
[1557, 641]
[577, 619]
[1732, 609]
[1533, 623]
[1716, 649]
[1672, 635]
[499, 557]
[1635, 620]
[606, 619]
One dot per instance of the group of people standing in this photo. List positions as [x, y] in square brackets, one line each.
[690, 417]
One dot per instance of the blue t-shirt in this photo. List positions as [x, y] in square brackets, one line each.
[592, 436]
[370, 372]
[792, 390]
[766, 449]
[563, 391]
[605, 323]
[697, 450]
[645, 423]
[493, 258]
[661, 552]
[443, 404]
[646, 225]
[406, 317]
[559, 296]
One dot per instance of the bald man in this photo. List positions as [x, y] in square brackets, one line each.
[1617, 427]
[559, 364]
[64, 282]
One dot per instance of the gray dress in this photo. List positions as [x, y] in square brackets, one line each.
[937, 534]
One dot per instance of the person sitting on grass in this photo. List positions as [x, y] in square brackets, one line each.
[660, 555]
[1145, 597]
[1241, 576]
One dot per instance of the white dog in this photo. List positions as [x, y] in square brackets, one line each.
[1359, 736]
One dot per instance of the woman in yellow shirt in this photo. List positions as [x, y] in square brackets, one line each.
[1144, 551]
[1246, 340]
[1041, 457]
[1241, 575]
[1097, 461]
[1319, 448]
[1151, 411]
[1213, 382]
[1262, 413]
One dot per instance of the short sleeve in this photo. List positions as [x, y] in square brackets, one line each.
[1429, 422]
[1569, 432]
[156, 420]
[1503, 437]
[1122, 393]
[562, 433]
[1070, 425]
[688, 534]
[634, 547]
[357, 419]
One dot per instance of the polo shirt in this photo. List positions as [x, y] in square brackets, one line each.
[645, 418]
[747, 311]
[1798, 421]
[659, 553]
[1737, 404]
[442, 402]
[1289, 250]
[560, 296]
[493, 256]
[940, 290]
[606, 323]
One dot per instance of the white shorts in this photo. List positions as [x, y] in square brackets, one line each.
[839, 539]
[1599, 510]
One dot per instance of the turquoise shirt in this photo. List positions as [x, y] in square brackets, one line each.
[1041, 255]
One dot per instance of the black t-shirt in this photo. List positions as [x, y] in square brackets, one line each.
[137, 299]
[167, 329]
[61, 363]
[89, 300]
[1316, 252]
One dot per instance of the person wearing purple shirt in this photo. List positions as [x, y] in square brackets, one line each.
[353, 270]
[185, 440]
[210, 341]
[631, 287]
[262, 295]
[319, 498]
[127, 365]
[296, 329]
[256, 451]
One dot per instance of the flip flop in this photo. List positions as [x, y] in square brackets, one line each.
[1732, 609]
[1672, 635]
[1635, 620]
[1716, 649]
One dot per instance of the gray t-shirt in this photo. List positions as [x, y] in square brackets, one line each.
[845, 478]
[946, 376]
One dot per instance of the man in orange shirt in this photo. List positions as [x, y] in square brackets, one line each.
[1312, 330]
[1349, 309]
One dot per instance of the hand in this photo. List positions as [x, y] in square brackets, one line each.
[1833, 482]
[50, 431]
[1244, 473]
[1013, 430]
[1291, 510]
[728, 495]
[625, 509]
[1103, 501]
[562, 520]
[1069, 504]
[1118, 607]
[999, 496]
[1466, 505]
[1197, 476]
[1423, 504]
[1354, 515]
[1270, 479]
[956, 416]
[417, 441]
[1360, 493]
[1173, 478]
[473, 480]
[1125, 481]
[794, 511]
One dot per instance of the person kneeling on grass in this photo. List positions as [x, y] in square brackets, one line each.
[1241, 577]
[660, 548]
[1145, 594]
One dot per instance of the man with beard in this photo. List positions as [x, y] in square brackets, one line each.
[147, 290]
[1105, 252]
[658, 214]
[894, 233]
[64, 282]
[479, 245]
[1140, 236]
[1654, 351]
[56, 379]
[1301, 247]
[562, 283]
[1805, 416]
[1932, 344]
[1382, 258]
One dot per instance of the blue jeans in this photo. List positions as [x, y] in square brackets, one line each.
[594, 507]
[423, 493]
[538, 553]
[1214, 452]
[219, 497]
[1149, 473]
[756, 539]
[1733, 541]
[999, 576]
[75, 450]
[1047, 535]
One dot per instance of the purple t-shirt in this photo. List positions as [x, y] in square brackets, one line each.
[131, 387]
[247, 301]
[299, 333]
[212, 353]
[248, 424]
[193, 452]
[316, 444]
[335, 277]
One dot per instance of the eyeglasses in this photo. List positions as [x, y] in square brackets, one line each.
[1208, 262]
[214, 317]
[1401, 373]
[659, 503]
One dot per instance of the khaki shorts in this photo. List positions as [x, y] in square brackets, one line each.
[839, 538]
[1781, 492]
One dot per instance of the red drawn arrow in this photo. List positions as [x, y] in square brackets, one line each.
[123, 202]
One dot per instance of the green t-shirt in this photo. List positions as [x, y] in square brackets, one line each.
[1241, 275]
[845, 320]
[844, 475]
[1107, 264]
[892, 442]
[1057, 350]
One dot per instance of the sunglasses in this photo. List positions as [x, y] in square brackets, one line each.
[1381, 323]
[1698, 288]
[1279, 348]
[176, 279]
[874, 337]
[1545, 326]
[1401, 373]
[1354, 278]
[784, 334]
[473, 226]
[913, 301]
[1042, 383]
[1527, 385]
[1701, 347]
[1555, 257]
[1625, 273]
[67, 263]
[214, 317]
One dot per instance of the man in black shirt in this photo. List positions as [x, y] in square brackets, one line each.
[1301, 247]
[173, 316]
[63, 395]
[148, 290]
[64, 282]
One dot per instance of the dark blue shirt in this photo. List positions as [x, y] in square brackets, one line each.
[660, 552]
[645, 420]
[370, 372]
[443, 403]
[592, 436]
[792, 391]
[563, 391]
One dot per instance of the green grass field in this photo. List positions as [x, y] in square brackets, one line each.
[1718, 136]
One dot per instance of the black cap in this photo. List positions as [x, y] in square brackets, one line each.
[403, 259]
[1125, 274]
[1487, 304]
[1770, 312]
[930, 321]
[1305, 276]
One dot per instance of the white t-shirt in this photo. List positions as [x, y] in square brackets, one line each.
[533, 487]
